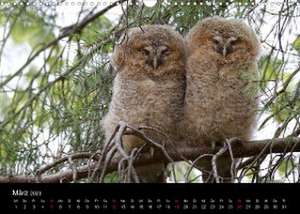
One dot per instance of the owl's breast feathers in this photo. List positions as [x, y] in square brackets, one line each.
[221, 101]
[147, 102]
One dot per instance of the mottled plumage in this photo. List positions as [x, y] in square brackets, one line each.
[148, 89]
[220, 100]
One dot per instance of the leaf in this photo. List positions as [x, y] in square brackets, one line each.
[286, 166]
[4, 104]
[269, 70]
[3, 152]
[112, 178]
[296, 44]
[280, 110]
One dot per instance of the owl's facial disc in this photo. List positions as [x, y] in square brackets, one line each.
[155, 55]
[224, 46]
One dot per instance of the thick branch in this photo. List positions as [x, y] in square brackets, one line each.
[239, 149]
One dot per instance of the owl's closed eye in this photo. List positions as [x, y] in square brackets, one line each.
[231, 40]
[154, 55]
[224, 45]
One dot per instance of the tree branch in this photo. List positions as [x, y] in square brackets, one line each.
[65, 32]
[239, 150]
[88, 19]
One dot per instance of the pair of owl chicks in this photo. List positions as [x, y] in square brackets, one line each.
[200, 88]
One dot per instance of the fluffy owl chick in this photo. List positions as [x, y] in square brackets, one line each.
[220, 101]
[148, 89]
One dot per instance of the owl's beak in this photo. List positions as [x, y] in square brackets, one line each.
[155, 62]
[227, 48]
[154, 59]
[224, 52]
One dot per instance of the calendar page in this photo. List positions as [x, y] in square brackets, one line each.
[156, 106]
[144, 198]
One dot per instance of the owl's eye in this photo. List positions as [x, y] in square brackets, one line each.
[165, 52]
[217, 40]
[233, 40]
[145, 51]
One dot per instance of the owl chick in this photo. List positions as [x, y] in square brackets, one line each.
[148, 89]
[220, 101]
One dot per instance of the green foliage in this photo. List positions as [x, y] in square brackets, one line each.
[284, 105]
[286, 166]
[95, 31]
[279, 108]
[62, 94]
[112, 178]
[296, 44]
[183, 16]
[269, 70]
[61, 97]
[4, 103]
[27, 26]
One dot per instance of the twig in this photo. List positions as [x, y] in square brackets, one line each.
[239, 150]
